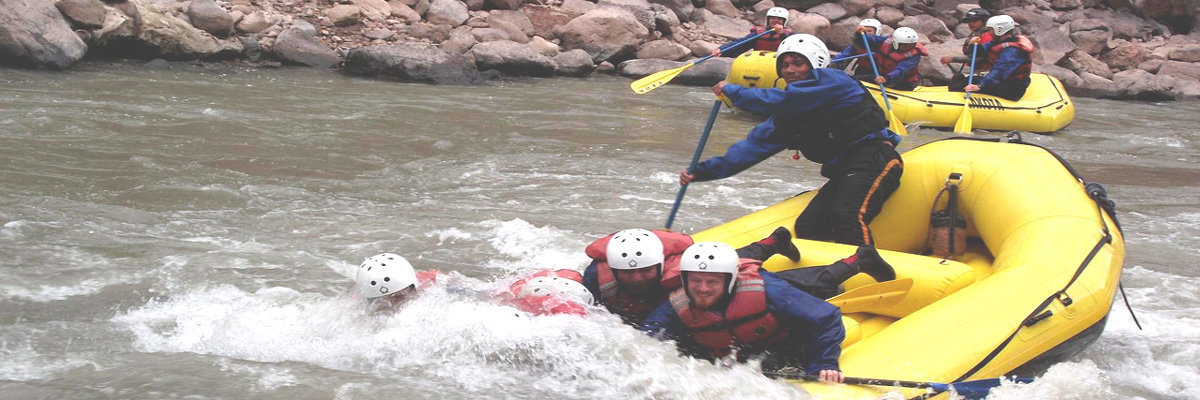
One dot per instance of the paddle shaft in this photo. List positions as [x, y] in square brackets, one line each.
[971, 76]
[712, 118]
[882, 90]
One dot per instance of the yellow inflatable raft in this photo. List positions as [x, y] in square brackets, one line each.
[1045, 108]
[1034, 287]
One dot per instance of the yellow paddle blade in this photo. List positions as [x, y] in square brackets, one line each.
[653, 81]
[964, 120]
[895, 124]
[868, 297]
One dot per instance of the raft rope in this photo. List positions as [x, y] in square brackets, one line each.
[1103, 204]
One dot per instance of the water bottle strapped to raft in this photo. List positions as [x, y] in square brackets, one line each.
[949, 228]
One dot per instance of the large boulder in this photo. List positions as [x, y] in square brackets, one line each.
[663, 49]
[375, 10]
[1177, 14]
[726, 27]
[412, 62]
[1124, 55]
[856, 7]
[88, 14]
[605, 33]
[1136, 84]
[928, 27]
[1186, 53]
[641, 10]
[831, 11]
[461, 40]
[1180, 70]
[447, 12]
[512, 58]
[812, 24]
[514, 33]
[682, 8]
[1052, 45]
[147, 32]
[504, 4]
[573, 63]
[1090, 35]
[516, 18]
[209, 17]
[722, 7]
[253, 23]
[1067, 77]
[298, 46]
[1081, 62]
[33, 33]
[839, 34]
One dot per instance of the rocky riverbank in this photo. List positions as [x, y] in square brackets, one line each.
[1125, 49]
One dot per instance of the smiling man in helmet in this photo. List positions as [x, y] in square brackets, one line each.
[730, 309]
[1010, 58]
[830, 118]
[777, 18]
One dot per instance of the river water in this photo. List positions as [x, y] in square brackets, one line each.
[192, 233]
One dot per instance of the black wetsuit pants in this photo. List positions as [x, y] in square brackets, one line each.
[864, 177]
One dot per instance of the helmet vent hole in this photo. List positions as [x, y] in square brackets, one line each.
[639, 254]
[387, 279]
[372, 283]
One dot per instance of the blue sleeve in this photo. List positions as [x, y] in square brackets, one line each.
[741, 155]
[903, 67]
[824, 86]
[819, 323]
[1006, 63]
[848, 52]
[663, 323]
[591, 281]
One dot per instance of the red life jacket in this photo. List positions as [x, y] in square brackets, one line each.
[770, 41]
[888, 57]
[632, 308]
[1022, 43]
[744, 322]
[546, 305]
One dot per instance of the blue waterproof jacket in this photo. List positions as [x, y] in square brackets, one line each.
[824, 89]
[815, 329]
[1006, 63]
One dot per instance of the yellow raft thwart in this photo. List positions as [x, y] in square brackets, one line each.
[1045, 108]
[1034, 287]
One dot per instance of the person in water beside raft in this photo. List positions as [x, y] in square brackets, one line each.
[633, 270]
[1009, 58]
[777, 18]
[831, 119]
[730, 309]
[387, 281]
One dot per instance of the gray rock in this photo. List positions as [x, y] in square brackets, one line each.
[929, 28]
[1136, 84]
[375, 10]
[207, 16]
[722, 7]
[1065, 4]
[155, 33]
[839, 34]
[729, 28]
[434, 32]
[856, 7]
[1124, 55]
[516, 18]
[831, 11]
[86, 13]
[605, 68]
[379, 34]
[1180, 70]
[304, 26]
[543, 46]
[157, 63]
[701, 48]
[514, 33]
[489, 35]
[574, 63]
[461, 40]
[1052, 45]
[505, 4]
[1090, 35]
[297, 46]
[512, 58]
[1067, 77]
[344, 15]
[1092, 85]
[411, 62]
[682, 8]
[891, 16]
[474, 5]
[639, 8]
[251, 49]
[447, 12]
[663, 49]
[812, 24]
[1082, 62]
[404, 12]
[665, 20]
[33, 33]
[253, 23]
[605, 33]
[1187, 53]
[798, 4]
[579, 7]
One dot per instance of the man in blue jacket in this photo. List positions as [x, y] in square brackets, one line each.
[729, 309]
[830, 118]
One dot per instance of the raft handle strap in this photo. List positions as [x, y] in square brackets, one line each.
[1031, 321]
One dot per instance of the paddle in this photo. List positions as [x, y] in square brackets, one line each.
[712, 118]
[893, 123]
[964, 120]
[874, 295]
[653, 81]
[976, 389]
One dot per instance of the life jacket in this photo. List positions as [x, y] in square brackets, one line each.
[546, 305]
[631, 308]
[824, 133]
[1022, 43]
[745, 321]
[770, 41]
[888, 58]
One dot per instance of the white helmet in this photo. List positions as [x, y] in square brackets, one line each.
[871, 23]
[805, 45]
[633, 249]
[384, 274]
[1001, 24]
[778, 12]
[902, 36]
[711, 257]
[557, 287]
